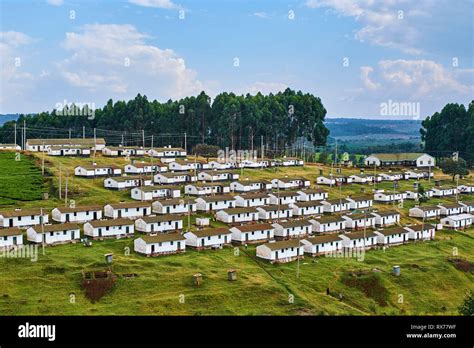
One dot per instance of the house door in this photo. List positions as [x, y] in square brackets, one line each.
[95, 215]
[179, 245]
[14, 240]
[119, 213]
[152, 248]
[176, 225]
[127, 229]
[152, 227]
[276, 255]
[317, 249]
[11, 222]
[268, 234]
[67, 217]
[246, 237]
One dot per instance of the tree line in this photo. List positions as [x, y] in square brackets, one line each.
[234, 121]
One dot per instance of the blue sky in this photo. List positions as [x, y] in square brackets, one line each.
[355, 55]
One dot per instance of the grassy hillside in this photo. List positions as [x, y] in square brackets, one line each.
[429, 282]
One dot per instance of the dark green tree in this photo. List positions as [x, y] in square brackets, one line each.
[453, 167]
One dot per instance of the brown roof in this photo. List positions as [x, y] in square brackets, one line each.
[130, 205]
[291, 243]
[56, 227]
[160, 218]
[294, 223]
[253, 195]
[285, 194]
[14, 231]
[254, 227]
[309, 191]
[360, 234]
[420, 227]
[22, 212]
[163, 237]
[91, 166]
[325, 238]
[174, 201]
[211, 232]
[329, 218]
[218, 198]
[361, 198]
[359, 216]
[336, 201]
[79, 208]
[427, 207]
[308, 203]
[275, 207]
[112, 222]
[240, 210]
[392, 230]
[451, 205]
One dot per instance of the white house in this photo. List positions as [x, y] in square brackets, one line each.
[131, 210]
[43, 145]
[10, 237]
[92, 171]
[148, 193]
[255, 163]
[144, 168]
[23, 217]
[167, 152]
[457, 221]
[292, 229]
[360, 202]
[389, 197]
[283, 197]
[392, 236]
[392, 176]
[252, 233]
[400, 159]
[312, 195]
[359, 239]
[117, 151]
[174, 206]
[221, 165]
[359, 221]
[249, 185]
[411, 174]
[280, 252]
[69, 151]
[336, 205]
[237, 215]
[77, 214]
[208, 238]
[125, 182]
[109, 228]
[217, 176]
[290, 183]
[252, 199]
[326, 180]
[444, 191]
[468, 207]
[54, 234]
[421, 232]
[307, 208]
[174, 178]
[386, 218]
[451, 208]
[466, 189]
[272, 212]
[158, 223]
[160, 244]
[215, 202]
[322, 244]
[204, 189]
[185, 165]
[425, 211]
[412, 195]
[289, 162]
[10, 147]
[327, 224]
[365, 178]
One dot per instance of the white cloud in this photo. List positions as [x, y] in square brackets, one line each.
[415, 79]
[165, 4]
[264, 88]
[387, 23]
[56, 2]
[116, 59]
[263, 15]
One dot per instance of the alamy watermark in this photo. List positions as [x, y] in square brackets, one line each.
[234, 156]
[394, 108]
[75, 109]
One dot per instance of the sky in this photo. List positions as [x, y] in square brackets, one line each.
[394, 59]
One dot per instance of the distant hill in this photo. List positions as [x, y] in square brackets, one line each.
[386, 129]
[8, 117]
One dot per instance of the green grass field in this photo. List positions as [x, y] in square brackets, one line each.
[429, 282]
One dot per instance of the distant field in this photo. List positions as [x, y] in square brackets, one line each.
[429, 282]
[19, 180]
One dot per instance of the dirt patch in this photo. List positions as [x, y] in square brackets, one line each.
[462, 265]
[370, 284]
[97, 283]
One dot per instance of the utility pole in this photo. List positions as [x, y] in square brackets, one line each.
[95, 143]
[185, 143]
[83, 132]
[261, 144]
[65, 194]
[60, 176]
[122, 139]
[143, 137]
[42, 162]
[152, 170]
[24, 135]
[14, 134]
[69, 133]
